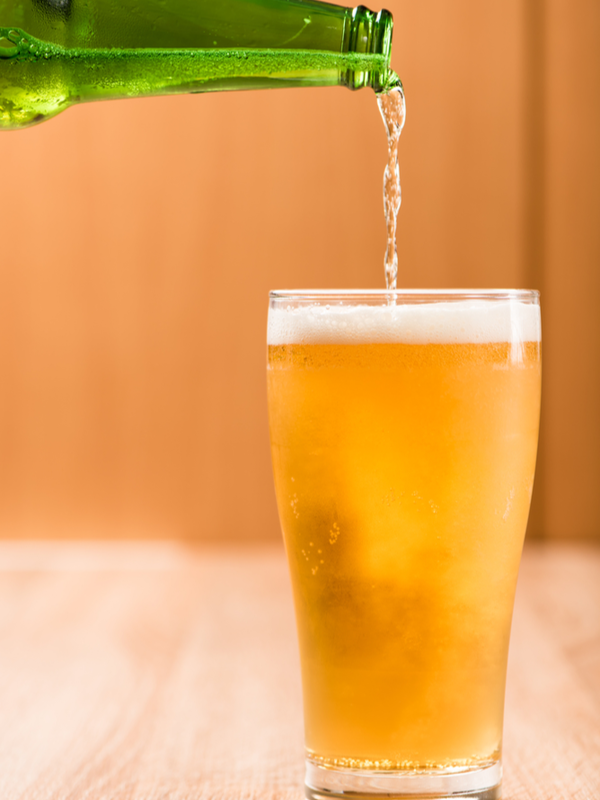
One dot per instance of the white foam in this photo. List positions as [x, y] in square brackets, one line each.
[459, 322]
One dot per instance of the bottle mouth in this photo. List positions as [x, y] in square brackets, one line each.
[369, 33]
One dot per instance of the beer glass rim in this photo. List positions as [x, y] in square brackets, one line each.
[406, 296]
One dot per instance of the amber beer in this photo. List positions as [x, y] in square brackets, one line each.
[404, 441]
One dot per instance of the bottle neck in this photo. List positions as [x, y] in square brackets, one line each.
[369, 33]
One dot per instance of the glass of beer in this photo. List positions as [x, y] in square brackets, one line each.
[404, 433]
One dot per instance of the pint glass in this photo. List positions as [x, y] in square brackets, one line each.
[404, 433]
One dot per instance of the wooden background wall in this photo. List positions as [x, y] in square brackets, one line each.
[140, 239]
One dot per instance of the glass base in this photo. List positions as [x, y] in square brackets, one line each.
[327, 783]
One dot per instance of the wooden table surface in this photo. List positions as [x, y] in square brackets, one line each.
[158, 672]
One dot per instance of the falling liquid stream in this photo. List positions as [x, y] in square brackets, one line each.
[393, 110]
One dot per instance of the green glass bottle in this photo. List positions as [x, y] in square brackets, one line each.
[54, 53]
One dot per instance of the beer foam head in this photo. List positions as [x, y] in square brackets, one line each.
[457, 322]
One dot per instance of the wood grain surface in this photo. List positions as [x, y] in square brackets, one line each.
[150, 671]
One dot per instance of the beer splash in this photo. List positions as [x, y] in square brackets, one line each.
[392, 106]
